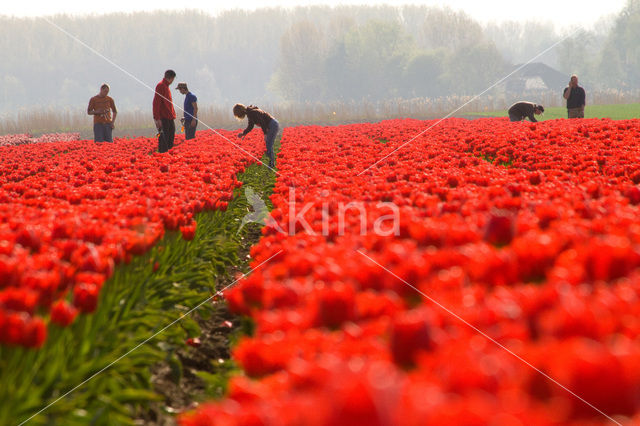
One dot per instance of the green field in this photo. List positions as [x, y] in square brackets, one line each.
[615, 112]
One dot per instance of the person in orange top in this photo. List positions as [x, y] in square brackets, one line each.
[101, 106]
[163, 112]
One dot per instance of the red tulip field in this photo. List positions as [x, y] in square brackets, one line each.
[71, 211]
[482, 273]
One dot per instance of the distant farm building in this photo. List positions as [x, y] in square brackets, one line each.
[536, 76]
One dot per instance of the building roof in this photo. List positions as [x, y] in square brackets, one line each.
[552, 78]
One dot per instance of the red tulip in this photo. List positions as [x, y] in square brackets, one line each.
[62, 313]
[500, 228]
[409, 336]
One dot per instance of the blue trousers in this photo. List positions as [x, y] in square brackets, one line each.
[269, 139]
[189, 132]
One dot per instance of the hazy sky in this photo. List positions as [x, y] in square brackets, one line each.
[560, 12]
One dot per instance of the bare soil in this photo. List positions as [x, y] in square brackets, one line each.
[186, 393]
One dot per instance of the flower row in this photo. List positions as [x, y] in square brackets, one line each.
[486, 272]
[71, 211]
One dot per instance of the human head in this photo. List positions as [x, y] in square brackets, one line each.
[104, 90]
[574, 80]
[538, 109]
[182, 88]
[240, 111]
[169, 75]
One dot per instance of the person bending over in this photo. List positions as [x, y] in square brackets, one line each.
[267, 123]
[521, 110]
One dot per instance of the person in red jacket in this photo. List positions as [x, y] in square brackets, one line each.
[163, 112]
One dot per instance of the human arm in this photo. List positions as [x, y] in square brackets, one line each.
[531, 112]
[156, 114]
[195, 114]
[114, 114]
[91, 108]
[573, 83]
[156, 109]
[162, 104]
[250, 125]
[157, 106]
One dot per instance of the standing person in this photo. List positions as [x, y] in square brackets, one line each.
[190, 119]
[267, 123]
[163, 112]
[101, 106]
[521, 110]
[575, 97]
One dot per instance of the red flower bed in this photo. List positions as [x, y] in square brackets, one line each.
[514, 242]
[70, 211]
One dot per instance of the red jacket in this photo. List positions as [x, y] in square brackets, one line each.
[162, 102]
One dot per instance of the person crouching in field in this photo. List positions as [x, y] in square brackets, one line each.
[101, 106]
[521, 110]
[257, 116]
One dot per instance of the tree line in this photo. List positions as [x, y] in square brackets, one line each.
[318, 54]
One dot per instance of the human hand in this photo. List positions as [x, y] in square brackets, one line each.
[193, 123]
[113, 126]
[158, 124]
[240, 135]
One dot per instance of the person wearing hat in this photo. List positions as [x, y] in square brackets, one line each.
[521, 110]
[190, 119]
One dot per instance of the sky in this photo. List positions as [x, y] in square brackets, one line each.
[562, 13]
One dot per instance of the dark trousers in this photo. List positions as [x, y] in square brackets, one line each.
[102, 132]
[189, 132]
[167, 134]
[270, 138]
[515, 117]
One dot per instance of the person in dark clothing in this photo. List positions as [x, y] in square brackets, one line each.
[190, 119]
[267, 123]
[576, 98]
[521, 110]
[163, 112]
